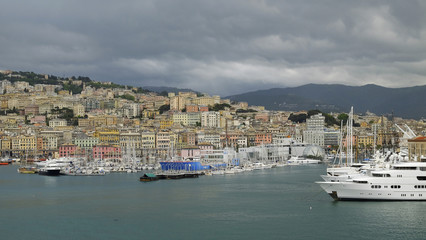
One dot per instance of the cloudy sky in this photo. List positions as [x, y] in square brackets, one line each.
[218, 46]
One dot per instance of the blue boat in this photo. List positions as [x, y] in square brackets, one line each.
[188, 166]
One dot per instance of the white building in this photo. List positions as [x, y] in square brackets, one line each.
[181, 118]
[57, 122]
[212, 138]
[78, 110]
[210, 119]
[314, 133]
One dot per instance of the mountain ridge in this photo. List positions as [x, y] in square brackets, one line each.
[404, 102]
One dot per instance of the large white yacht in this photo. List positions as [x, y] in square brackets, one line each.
[401, 182]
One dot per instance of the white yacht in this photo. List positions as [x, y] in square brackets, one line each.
[302, 161]
[401, 182]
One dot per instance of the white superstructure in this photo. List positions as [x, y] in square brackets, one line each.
[402, 181]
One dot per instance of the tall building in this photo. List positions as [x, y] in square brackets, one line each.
[314, 133]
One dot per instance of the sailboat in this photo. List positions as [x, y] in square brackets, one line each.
[343, 171]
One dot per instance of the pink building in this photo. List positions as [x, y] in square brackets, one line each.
[38, 119]
[206, 146]
[203, 108]
[190, 152]
[263, 138]
[192, 108]
[262, 117]
[106, 151]
[69, 150]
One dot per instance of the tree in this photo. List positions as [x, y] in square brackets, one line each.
[330, 120]
[343, 117]
[164, 108]
[128, 97]
[313, 112]
[298, 118]
[218, 107]
[164, 93]
[245, 111]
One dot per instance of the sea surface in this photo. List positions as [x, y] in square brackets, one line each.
[280, 203]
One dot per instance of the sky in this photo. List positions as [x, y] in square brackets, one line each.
[219, 47]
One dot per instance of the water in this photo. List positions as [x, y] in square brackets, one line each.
[281, 203]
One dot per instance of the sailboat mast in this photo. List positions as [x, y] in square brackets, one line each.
[351, 115]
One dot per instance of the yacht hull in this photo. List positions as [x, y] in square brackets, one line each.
[344, 191]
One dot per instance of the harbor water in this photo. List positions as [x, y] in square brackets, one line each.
[278, 203]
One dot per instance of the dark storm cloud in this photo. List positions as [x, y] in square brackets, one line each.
[221, 47]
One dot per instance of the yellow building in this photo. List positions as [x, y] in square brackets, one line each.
[6, 144]
[28, 143]
[166, 124]
[148, 140]
[417, 148]
[111, 137]
[150, 113]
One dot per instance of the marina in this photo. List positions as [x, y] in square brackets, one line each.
[280, 203]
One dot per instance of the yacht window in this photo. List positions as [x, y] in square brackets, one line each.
[381, 175]
[421, 178]
[422, 168]
[358, 181]
[404, 168]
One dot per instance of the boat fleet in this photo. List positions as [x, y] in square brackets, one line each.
[208, 162]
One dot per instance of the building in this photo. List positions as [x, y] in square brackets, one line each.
[57, 122]
[209, 137]
[210, 119]
[148, 140]
[106, 151]
[70, 150]
[78, 110]
[130, 141]
[417, 149]
[86, 142]
[180, 118]
[190, 152]
[331, 138]
[191, 108]
[32, 109]
[314, 133]
[177, 103]
[111, 137]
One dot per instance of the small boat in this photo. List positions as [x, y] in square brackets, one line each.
[28, 170]
[302, 161]
[149, 177]
[4, 163]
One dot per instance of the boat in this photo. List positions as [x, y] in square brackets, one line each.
[399, 182]
[302, 161]
[149, 177]
[50, 171]
[28, 170]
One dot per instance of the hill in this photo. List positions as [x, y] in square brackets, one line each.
[403, 102]
[168, 89]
